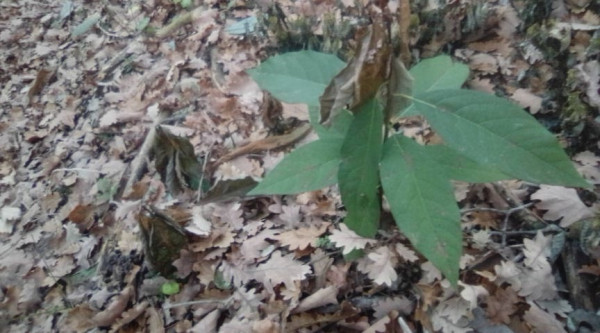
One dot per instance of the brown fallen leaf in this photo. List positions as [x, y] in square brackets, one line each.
[163, 239]
[361, 78]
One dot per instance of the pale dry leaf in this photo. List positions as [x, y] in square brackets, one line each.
[430, 273]
[561, 203]
[536, 250]
[559, 307]
[465, 260]
[379, 266]
[589, 73]
[508, 272]
[7, 216]
[380, 326]
[452, 315]
[265, 326]
[484, 62]
[348, 239]
[406, 253]
[300, 239]
[254, 248]
[108, 316]
[542, 321]
[403, 305]
[283, 269]
[481, 239]
[199, 225]
[527, 99]
[589, 166]
[461, 189]
[321, 297]
[208, 324]
[472, 293]
[538, 284]
[337, 274]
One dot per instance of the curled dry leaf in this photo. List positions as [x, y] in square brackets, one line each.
[163, 239]
[360, 80]
[176, 162]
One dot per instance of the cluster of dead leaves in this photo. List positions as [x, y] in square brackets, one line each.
[76, 111]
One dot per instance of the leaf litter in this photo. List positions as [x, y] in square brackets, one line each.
[83, 87]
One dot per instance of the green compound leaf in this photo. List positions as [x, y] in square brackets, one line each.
[297, 77]
[422, 202]
[499, 134]
[358, 174]
[308, 168]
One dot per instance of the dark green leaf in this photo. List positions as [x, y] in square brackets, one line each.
[358, 175]
[459, 167]
[499, 134]
[297, 77]
[338, 128]
[437, 73]
[399, 86]
[308, 168]
[422, 203]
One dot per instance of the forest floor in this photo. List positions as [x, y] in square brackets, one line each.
[90, 89]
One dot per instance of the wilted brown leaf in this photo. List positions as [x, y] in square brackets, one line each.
[362, 77]
[176, 161]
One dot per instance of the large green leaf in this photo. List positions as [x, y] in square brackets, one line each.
[459, 167]
[308, 168]
[358, 175]
[297, 77]
[422, 202]
[495, 132]
[339, 126]
[437, 73]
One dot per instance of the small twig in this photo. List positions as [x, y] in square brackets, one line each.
[108, 33]
[139, 162]
[206, 157]
[76, 170]
[203, 301]
[506, 212]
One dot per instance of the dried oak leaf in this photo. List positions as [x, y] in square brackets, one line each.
[403, 305]
[302, 238]
[321, 297]
[282, 269]
[542, 321]
[561, 203]
[502, 305]
[349, 240]
[589, 166]
[379, 266]
[406, 253]
[536, 250]
[472, 293]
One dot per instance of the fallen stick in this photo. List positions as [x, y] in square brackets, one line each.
[268, 143]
